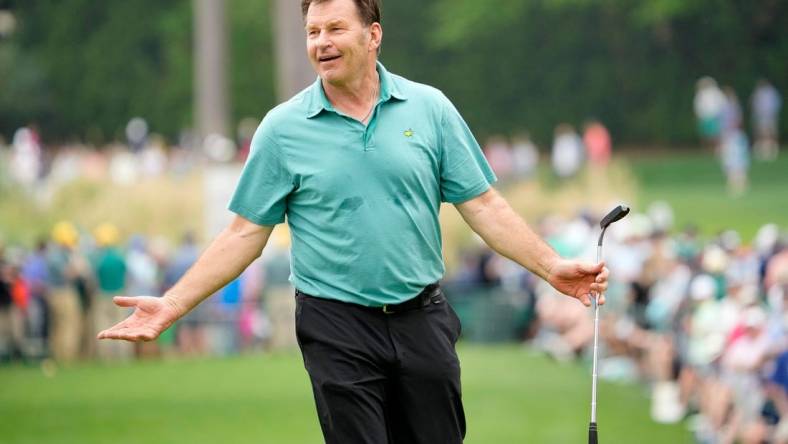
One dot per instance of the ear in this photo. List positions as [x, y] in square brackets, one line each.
[376, 34]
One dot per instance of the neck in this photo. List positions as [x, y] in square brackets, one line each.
[358, 93]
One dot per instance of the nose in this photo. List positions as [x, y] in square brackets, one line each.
[323, 41]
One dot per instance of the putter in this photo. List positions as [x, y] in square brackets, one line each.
[616, 214]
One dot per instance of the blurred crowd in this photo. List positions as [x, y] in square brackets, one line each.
[56, 297]
[41, 169]
[704, 323]
[518, 158]
[721, 126]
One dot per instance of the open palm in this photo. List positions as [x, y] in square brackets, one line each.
[152, 315]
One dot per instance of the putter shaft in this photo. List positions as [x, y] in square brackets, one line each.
[616, 214]
[596, 343]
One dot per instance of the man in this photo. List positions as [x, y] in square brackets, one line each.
[359, 163]
[65, 268]
[35, 272]
[109, 270]
[766, 103]
[709, 105]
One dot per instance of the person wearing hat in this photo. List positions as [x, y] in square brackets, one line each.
[64, 269]
[109, 268]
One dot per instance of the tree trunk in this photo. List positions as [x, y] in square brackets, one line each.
[293, 71]
[210, 66]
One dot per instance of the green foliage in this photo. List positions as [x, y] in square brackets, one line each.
[105, 62]
[23, 92]
[252, 75]
[81, 68]
[632, 64]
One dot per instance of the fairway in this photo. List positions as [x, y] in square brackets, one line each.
[694, 185]
[511, 396]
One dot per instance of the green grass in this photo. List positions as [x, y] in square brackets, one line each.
[511, 396]
[695, 186]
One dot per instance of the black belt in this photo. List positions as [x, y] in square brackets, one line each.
[430, 295]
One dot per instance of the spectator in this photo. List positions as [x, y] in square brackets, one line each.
[567, 156]
[190, 335]
[598, 144]
[766, 103]
[136, 134]
[499, 155]
[26, 159]
[109, 267]
[735, 155]
[709, 106]
[525, 156]
[254, 324]
[777, 391]
[20, 298]
[35, 274]
[142, 269]
[741, 363]
[63, 271]
[6, 341]
[731, 111]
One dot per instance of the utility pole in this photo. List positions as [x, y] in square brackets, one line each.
[210, 67]
[293, 71]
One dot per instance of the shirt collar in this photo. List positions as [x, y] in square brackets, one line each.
[318, 101]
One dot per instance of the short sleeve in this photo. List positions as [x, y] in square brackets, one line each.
[464, 172]
[265, 183]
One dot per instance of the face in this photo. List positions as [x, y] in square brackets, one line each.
[340, 47]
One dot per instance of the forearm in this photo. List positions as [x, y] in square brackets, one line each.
[492, 218]
[224, 260]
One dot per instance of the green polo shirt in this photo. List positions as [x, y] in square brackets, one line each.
[362, 201]
[110, 269]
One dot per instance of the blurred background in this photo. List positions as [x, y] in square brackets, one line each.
[124, 127]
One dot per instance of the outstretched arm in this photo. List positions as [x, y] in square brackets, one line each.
[490, 216]
[228, 255]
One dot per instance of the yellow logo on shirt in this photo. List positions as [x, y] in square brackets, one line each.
[408, 132]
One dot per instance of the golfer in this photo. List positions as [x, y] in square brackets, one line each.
[358, 164]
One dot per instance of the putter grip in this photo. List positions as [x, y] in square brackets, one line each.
[592, 439]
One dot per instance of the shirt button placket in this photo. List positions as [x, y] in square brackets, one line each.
[369, 132]
[369, 142]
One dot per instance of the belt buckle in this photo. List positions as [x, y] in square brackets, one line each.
[386, 309]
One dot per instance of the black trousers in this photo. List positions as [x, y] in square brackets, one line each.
[383, 378]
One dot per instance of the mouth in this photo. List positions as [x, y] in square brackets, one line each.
[328, 58]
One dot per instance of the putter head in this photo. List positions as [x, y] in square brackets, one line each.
[615, 214]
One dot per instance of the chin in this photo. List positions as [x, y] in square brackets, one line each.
[332, 76]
